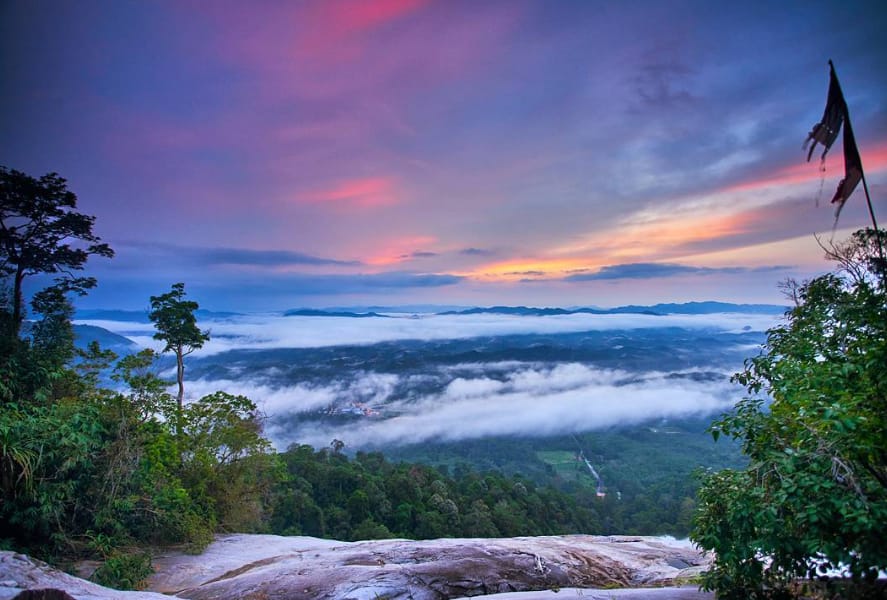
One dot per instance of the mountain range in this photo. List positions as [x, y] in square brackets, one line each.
[686, 308]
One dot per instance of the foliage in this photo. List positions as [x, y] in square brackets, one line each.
[124, 571]
[814, 496]
[647, 469]
[227, 461]
[87, 471]
[175, 321]
[109, 464]
[34, 366]
[329, 495]
[38, 222]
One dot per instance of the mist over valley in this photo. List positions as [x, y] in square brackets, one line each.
[614, 402]
[398, 379]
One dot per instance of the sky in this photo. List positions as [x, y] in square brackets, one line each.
[274, 155]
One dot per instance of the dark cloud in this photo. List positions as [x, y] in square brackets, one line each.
[419, 254]
[254, 291]
[282, 290]
[657, 270]
[219, 255]
[662, 86]
[295, 285]
[395, 280]
[476, 252]
[266, 258]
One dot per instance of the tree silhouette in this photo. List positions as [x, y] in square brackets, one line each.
[41, 232]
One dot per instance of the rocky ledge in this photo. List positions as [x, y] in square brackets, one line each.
[267, 566]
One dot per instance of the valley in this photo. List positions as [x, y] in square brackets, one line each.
[614, 413]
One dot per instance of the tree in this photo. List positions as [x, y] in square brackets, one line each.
[173, 316]
[41, 232]
[227, 459]
[814, 495]
[35, 367]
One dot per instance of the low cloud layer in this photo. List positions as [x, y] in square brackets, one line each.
[529, 400]
[276, 400]
[263, 332]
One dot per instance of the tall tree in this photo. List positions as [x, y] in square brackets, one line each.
[41, 232]
[176, 324]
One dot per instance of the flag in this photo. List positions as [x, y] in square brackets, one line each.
[826, 131]
[852, 169]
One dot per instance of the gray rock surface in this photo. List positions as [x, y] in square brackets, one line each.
[19, 573]
[267, 566]
[251, 566]
[663, 593]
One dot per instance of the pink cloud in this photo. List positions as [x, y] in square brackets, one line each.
[371, 192]
[318, 50]
[337, 26]
[359, 15]
[393, 250]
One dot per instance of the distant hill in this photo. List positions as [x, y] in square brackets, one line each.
[311, 312]
[85, 334]
[688, 308]
[400, 308]
[524, 311]
[108, 340]
[704, 308]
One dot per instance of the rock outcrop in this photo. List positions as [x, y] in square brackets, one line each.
[20, 573]
[266, 566]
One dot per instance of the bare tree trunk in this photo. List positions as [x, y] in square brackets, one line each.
[180, 398]
[17, 301]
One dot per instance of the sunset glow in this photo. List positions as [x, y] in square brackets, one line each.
[338, 152]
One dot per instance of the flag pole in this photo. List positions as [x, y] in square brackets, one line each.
[865, 185]
[868, 199]
[865, 188]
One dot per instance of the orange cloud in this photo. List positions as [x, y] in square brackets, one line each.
[874, 159]
[372, 192]
[522, 268]
[656, 238]
[734, 212]
[661, 240]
